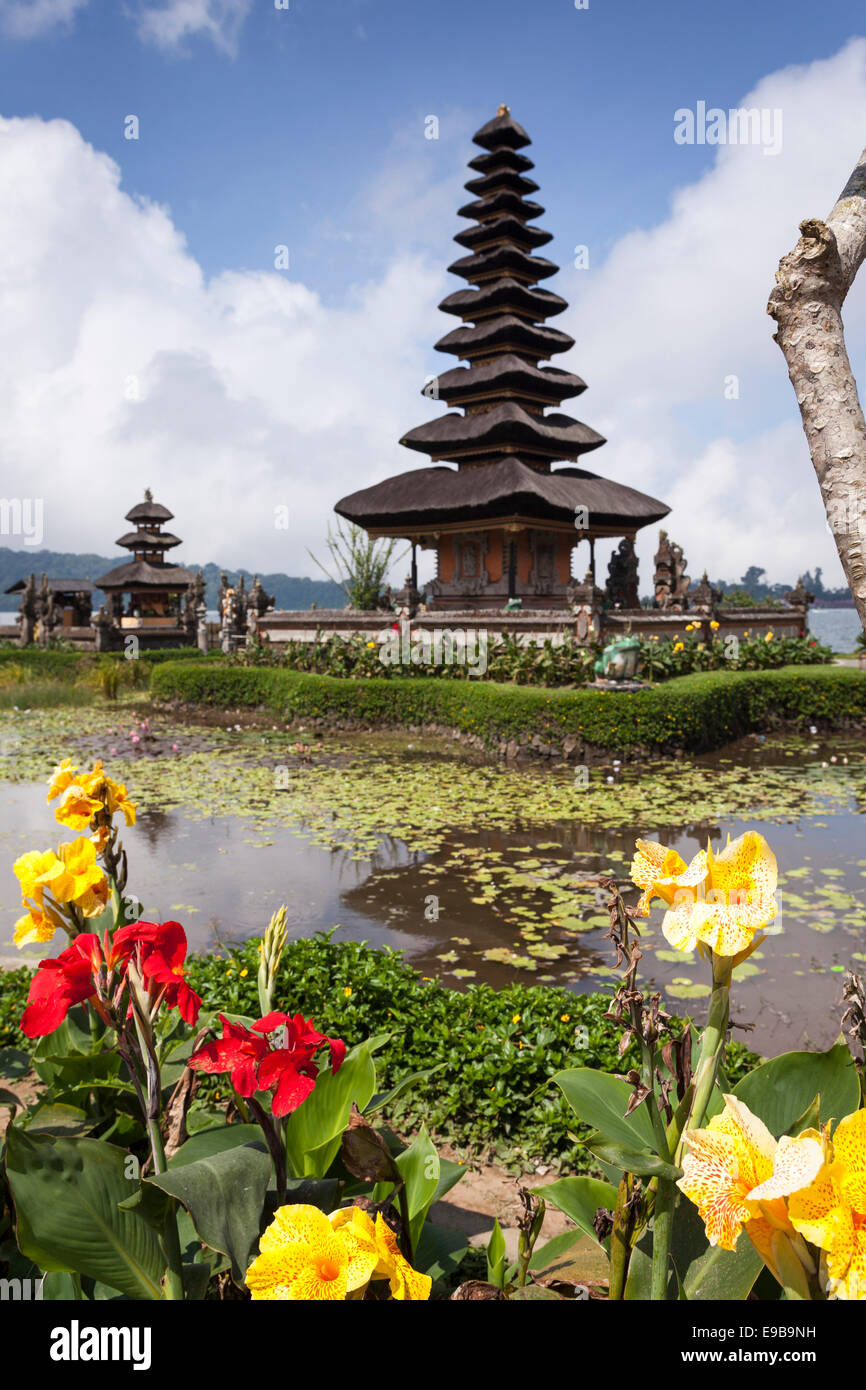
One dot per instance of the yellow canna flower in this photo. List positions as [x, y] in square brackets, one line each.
[679, 646]
[738, 1177]
[302, 1257]
[831, 1210]
[34, 927]
[377, 1238]
[33, 870]
[112, 794]
[80, 880]
[714, 625]
[719, 900]
[77, 809]
[768, 637]
[62, 777]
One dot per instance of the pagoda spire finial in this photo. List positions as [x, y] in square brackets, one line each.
[503, 110]
[148, 495]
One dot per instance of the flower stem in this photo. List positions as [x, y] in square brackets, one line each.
[663, 1222]
[711, 1048]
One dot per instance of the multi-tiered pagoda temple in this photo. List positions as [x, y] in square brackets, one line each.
[154, 586]
[503, 523]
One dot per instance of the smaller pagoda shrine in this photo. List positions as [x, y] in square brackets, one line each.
[156, 593]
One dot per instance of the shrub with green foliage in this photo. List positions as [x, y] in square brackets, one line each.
[696, 712]
[662, 660]
[497, 1047]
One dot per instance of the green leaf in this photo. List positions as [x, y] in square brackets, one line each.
[419, 1168]
[699, 1272]
[531, 1293]
[601, 1101]
[10, 1098]
[544, 1255]
[225, 1196]
[496, 1257]
[439, 1251]
[67, 1120]
[214, 1141]
[313, 1131]
[579, 1199]
[14, 1063]
[644, 1165]
[781, 1090]
[66, 1194]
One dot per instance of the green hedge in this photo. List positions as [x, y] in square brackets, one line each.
[56, 663]
[700, 711]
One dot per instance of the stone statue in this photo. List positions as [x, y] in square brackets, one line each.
[47, 611]
[259, 600]
[619, 660]
[670, 581]
[705, 599]
[28, 611]
[799, 596]
[622, 588]
[102, 629]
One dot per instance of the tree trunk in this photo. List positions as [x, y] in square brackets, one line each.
[811, 284]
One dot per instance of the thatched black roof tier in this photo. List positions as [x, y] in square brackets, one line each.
[505, 296]
[502, 130]
[487, 184]
[138, 574]
[499, 491]
[504, 200]
[504, 378]
[505, 229]
[506, 333]
[503, 260]
[503, 429]
[57, 586]
[148, 510]
[158, 540]
[501, 158]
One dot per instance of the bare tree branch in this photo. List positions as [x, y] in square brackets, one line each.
[811, 285]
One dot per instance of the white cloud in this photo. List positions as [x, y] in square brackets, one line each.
[173, 21]
[677, 308]
[251, 393]
[30, 19]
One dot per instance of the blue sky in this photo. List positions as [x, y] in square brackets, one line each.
[279, 138]
[305, 126]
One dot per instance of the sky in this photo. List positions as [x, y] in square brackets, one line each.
[224, 233]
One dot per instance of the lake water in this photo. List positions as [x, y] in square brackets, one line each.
[838, 628]
[383, 841]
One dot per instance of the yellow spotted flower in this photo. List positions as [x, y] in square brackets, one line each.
[302, 1257]
[113, 794]
[738, 1177]
[718, 900]
[831, 1210]
[714, 625]
[377, 1239]
[679, 646]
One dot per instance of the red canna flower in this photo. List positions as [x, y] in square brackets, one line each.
[162, 952]
[238, 1051]
[289, 1069]
[60, 983]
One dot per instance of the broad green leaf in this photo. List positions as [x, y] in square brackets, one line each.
[13, 1063]
[419, 1168]
[779, 1091]
[698, 1271]
[440, 1250]
[496, 1257]
[313, 1130]
[545, 1254]
[644, 1165]
[213, 1141]
[67, 1120]
[579, 1199]
[532, 1293]
[66, 1194]
[225, 1196]
[601, 1101]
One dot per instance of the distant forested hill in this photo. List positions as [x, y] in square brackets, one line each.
[288, 592]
